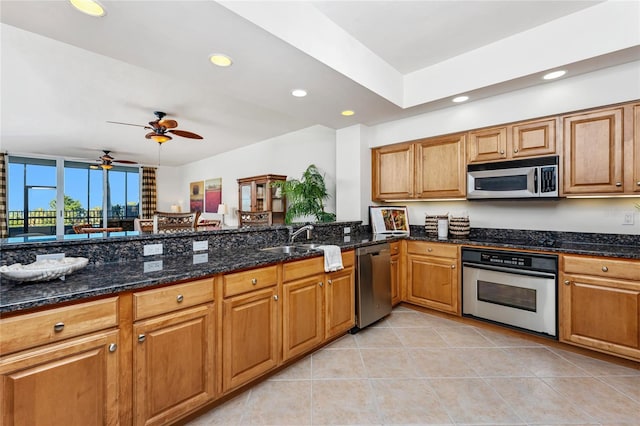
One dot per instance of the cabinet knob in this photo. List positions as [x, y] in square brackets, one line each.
[605, 269]
[320, 284]
[567, 282]
[515, 150]
[254, 281]
[501, 152]
[618, 184]
[638, 183]
[180, 298]
[141, 338]
[329, 282]
[113, 347]
[429, 249]
[275, 297]
[58, 327]
[453, 266]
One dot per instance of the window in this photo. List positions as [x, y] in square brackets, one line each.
[87, 195]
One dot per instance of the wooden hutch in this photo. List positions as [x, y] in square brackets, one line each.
[261, 204]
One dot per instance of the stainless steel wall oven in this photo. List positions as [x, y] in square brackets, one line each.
[511, 288]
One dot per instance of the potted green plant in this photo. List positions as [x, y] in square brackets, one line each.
[305, 197]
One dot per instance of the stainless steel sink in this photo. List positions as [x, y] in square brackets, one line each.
[310, 246]
[283, 249]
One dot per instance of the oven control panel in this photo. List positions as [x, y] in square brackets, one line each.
[505, 259]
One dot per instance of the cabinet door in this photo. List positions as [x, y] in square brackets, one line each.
[487, 144]
[601, 313]
[593, 152]
[533, 138]
[173, 361]
[432, 282]
[250, 338]
[69, 383]
[302, 319]
[340, 315]
[392, 172]
[395, 280]
[440, 167]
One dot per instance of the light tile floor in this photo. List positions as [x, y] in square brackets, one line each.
[414, 368]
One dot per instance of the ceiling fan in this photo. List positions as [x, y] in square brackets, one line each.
[106, 161]
[160, 127]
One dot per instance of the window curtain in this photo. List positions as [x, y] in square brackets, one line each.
[149, 198]
[4, 233]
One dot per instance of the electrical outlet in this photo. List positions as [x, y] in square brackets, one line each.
[347, 230]
[347, 238]
[200, 245]
[627, 219]
[151, 249]
[52, 256]
[153, 266]
[200, 258]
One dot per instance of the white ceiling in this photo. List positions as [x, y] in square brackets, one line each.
[65, 74]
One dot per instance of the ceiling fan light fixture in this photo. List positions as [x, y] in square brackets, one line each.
[220, 60]
[106, 166]
[161, 138]
[89, 7]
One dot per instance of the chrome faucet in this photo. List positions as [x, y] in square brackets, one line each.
[293, 235]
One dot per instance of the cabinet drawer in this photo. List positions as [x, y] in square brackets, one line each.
[161, 300]
[433, 249]
[348, 258]
[394, 248]
[30, 330]
[242, 282]
[302, 268]
[602, 267]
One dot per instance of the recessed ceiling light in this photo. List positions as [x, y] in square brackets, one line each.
[460, 99]
[220, 60]
[554, 74]
[90, 7]
[347, 113]
[299, 93]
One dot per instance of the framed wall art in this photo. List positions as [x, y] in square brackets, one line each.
[389, 220]
[196, 196]
[212, 195]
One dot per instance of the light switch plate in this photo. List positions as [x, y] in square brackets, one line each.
[200, 245]
[627, 218]
[153, 266]
[151, 249]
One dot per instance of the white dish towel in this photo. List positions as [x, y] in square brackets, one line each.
[332, 258]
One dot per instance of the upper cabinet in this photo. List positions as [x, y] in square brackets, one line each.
[593, 152]
[519, 140]
[261, 203]
[428, 168]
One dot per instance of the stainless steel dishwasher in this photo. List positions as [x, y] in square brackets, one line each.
[373, 284]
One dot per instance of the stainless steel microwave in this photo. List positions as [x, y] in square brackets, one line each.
[527, 178]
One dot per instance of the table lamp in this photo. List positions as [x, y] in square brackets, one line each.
[222, 210]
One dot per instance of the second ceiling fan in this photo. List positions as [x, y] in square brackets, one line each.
[161, 127]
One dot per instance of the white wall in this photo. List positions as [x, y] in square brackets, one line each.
[288, 154]
[353, 169]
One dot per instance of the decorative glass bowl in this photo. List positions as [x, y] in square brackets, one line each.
[43, 270]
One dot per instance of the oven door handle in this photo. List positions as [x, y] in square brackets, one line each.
[509, 270]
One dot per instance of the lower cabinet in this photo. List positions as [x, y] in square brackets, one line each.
[600, 304]
[433, 276]
[396, 277]
[173, 353]
[74, 382]
[250, 326]
[340, 314]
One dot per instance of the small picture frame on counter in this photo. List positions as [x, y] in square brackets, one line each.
[392, 220]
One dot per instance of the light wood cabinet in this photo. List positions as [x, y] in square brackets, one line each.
[593, 152]
[69, 381]
[433, 276]
[260, 203]
[600, 304]
[396, 295]
[635, 149]
[340, 314]
[173, 351]
[440, 167]
[392, 172]
[519, 140]
[250, 329]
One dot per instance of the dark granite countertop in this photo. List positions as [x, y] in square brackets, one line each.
[115, 277]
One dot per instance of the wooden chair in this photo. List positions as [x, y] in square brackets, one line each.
[164, 222]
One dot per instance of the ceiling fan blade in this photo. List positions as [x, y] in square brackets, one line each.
[125, 161]
[185, 134]
[168, 124]
[126, 124]
[155, 125]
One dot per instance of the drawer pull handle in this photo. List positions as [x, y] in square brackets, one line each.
[605, 269]
[180, 298]
[567, 282]
[141, 338]
[254, 281]
[58, 327]
[618, 184]
[113, 347]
